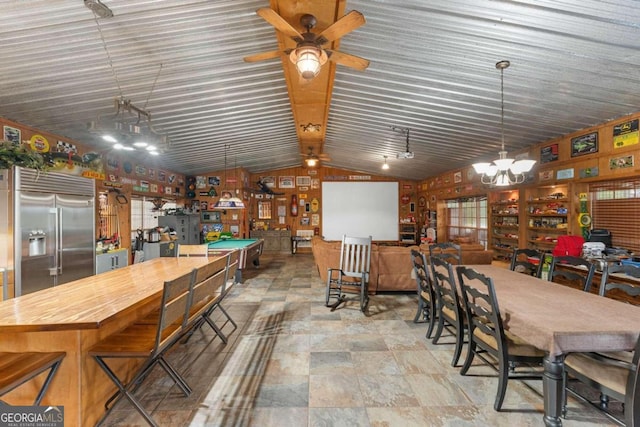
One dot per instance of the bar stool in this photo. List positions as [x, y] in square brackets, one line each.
[18, 368]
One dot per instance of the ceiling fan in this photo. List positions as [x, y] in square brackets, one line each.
[308, 55]
[312, 159]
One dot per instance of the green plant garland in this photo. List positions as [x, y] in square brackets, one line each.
[20, 155]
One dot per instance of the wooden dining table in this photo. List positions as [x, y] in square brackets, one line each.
[74, 316]
[560, 320]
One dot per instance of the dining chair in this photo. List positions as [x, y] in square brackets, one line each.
[573, 270]
[231, 261]
[447, 250]
[352, 274]
[612, 375]
[610, 282]
[520, 261]
[449, 306]
[487, 336]
[205, 293]
[426, 296]
[193, 250]
[148, 342]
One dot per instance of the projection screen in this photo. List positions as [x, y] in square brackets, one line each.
[360, 209]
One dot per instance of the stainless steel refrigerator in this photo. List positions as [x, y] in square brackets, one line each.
[52, 227]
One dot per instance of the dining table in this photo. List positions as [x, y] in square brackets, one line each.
[560, 320]
[73, 317]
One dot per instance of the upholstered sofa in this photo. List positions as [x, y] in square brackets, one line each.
[472, 253]
[390, 265]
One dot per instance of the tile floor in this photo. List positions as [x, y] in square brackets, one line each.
[293, 362]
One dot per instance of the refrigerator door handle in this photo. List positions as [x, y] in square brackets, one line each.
[58, 256]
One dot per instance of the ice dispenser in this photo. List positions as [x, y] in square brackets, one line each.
[37, 243]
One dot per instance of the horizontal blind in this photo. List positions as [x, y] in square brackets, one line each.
[614, 207]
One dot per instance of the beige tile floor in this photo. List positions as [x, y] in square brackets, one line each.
[293, 362]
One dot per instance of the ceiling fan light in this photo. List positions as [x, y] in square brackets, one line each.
[311, 162]
[308, 60]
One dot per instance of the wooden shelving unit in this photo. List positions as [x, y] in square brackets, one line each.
[408, 233]
[547, 216]
[505, 223]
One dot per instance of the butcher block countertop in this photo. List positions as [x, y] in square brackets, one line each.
[90, 302]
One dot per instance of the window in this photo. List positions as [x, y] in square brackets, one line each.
[614, 207]
[144, 214]
[467, 218]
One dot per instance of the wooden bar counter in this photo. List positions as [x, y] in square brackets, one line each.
[74, 316]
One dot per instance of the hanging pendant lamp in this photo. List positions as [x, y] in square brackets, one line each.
[503, 171]
[227, 199]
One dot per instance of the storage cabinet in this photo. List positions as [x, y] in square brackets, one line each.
[505, 223]
[187, 227]
[547, 216]
[408, 232]
[274, 240]
[112, 260]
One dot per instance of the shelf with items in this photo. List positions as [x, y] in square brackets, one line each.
[504, 210]
[408, 232]
[547, 214]
[430, 227]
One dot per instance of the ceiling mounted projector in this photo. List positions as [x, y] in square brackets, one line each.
[405, 155]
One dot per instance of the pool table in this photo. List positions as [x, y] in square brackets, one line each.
[250, 251]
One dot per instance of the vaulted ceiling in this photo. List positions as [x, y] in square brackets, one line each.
[432, 70]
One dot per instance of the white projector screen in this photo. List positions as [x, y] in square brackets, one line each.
[360, 209]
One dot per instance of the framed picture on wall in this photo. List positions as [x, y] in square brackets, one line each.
[286, 182]
[584, 144]
[11, 134]
[303, 181]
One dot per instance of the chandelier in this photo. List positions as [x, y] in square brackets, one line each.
[503, 171]
[129, 129]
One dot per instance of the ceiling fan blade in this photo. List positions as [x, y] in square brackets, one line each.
[342, 26]
[262, 56]
[278, 22]
[324, 158]
[348, 60]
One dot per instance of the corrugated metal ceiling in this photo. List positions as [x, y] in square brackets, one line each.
[574, 64]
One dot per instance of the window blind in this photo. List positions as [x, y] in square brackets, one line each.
[614, 207]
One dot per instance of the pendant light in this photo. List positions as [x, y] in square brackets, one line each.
[227, 199]
[385, 165]
[503, 171]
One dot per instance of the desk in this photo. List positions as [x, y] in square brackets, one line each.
[250, 251]
[560, 320]
[74, 316]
